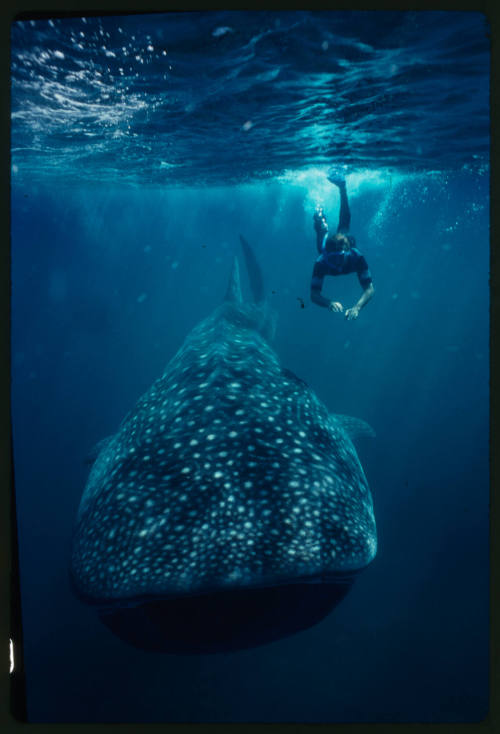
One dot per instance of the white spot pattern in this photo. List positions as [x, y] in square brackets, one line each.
[273, 492]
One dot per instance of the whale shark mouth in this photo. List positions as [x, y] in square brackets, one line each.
[106, 606]
[224, 621]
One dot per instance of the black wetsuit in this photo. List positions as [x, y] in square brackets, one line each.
[339, 263]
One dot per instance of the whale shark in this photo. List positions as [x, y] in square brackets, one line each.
[230, 508]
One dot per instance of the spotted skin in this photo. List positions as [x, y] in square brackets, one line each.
[229, 473]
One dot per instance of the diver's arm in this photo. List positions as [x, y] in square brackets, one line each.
[353, 313]
[316, 286]
[317, 298]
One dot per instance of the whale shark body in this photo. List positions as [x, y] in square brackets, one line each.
[230, 508]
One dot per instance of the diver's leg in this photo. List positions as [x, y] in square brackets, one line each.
[321, 228]
[345, 213]
[338, 180]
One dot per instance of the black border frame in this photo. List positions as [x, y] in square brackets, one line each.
[12, 687]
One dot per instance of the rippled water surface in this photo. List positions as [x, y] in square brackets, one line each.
[229, 96]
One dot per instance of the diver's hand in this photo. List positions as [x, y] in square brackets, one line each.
[352, 313]
[335, 306]
[320, 223]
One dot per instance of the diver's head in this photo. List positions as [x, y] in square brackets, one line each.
[337, 243]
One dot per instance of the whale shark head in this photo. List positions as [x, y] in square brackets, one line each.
[229, 484]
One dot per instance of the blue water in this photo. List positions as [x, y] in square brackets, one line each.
[129, 191]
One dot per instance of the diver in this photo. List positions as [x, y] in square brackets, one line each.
[338, 255]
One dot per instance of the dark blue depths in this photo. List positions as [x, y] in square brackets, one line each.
[106, 284]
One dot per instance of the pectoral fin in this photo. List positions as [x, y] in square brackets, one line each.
[96, 450]
[355, 427]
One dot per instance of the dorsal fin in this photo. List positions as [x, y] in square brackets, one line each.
[233, 292]
[253, 270]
